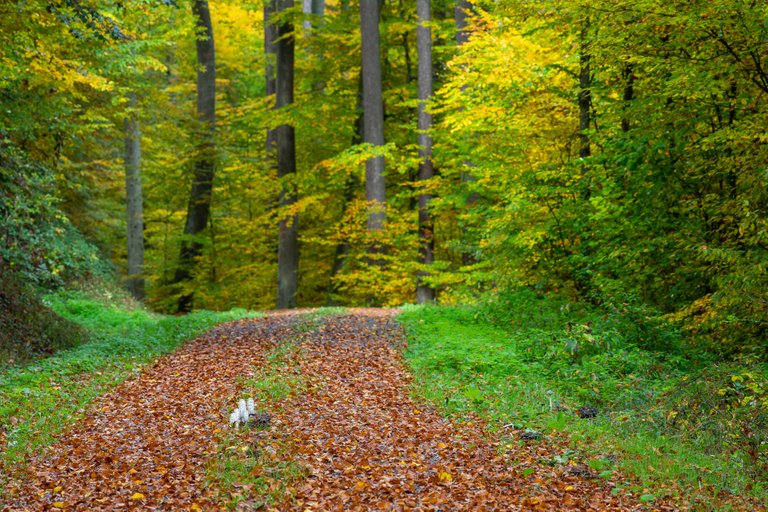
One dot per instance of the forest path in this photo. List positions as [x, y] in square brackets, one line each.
[362, 441]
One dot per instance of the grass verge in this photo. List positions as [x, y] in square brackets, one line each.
[41, 398]
[503, 367]
[254, 464]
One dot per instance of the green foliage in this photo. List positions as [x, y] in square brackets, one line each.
[41, 398]
[28, 328]
[725, 407]
[36, 238]
[674, 420]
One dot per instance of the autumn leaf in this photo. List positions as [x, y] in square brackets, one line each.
[137, 496]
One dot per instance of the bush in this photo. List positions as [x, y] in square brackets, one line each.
[725, 408]
[36, 238]
[27, 327]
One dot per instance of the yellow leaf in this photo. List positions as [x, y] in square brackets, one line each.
[535, 501]
[132, 471]
[137, 482]
[137, 496]
[59, 504]
[442, 445]
[57, 488]
[570, 488]
[445, 477]
[216, 431]
[361, 485]
[195, 507]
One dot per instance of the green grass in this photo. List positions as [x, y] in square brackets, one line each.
[253, 464]
[313, 320]
[501, 360]
[41, 398]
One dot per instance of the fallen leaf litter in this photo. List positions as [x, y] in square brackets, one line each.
[364, 443]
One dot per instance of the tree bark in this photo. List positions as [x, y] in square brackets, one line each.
[205, 161]
[314, 7]
[585, 103]
[424, 292]
[270, 35]
[373, 112]
[464, 9]
[134, 203]
[628, 75]
[288, 243]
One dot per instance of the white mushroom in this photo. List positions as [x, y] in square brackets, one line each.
[243, 410]
[234, 418]
[251, 406]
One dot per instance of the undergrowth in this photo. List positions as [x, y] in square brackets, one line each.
[28, 328]
[687, 427]
[41, 398]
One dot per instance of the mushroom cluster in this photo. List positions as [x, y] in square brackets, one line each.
[241, 415]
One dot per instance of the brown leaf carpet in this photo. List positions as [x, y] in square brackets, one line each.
[366, 444]
[152, 434]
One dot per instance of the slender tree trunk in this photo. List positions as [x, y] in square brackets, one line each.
[585, 103]
[205, 161]
[464, 9]
[424, 292]
[270, 35]
[629, 93]
[134, 203]
[373, 108]
[288, 243]
[314, 7]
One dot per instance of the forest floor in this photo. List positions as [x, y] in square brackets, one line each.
[345, 433]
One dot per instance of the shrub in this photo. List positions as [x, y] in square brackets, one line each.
[36, 238]
[27, 327]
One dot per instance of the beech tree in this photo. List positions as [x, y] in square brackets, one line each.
[134, 202]
[288, 243]
[199, 208]
[270, 35]
[315, 8]
[373, 112]
[424, 292]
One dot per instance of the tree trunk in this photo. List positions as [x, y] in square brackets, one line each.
[205, 161]
[134, 203]
[585, 104]
[373, 112]
[464, 9]
[424, 292]
[288, 243]
[270, 35]
[314, 7]
[628, 75]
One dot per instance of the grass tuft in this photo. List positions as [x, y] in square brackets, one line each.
[502, 361]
